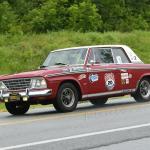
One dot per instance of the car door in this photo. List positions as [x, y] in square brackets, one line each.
[124, 65]
[104, 77]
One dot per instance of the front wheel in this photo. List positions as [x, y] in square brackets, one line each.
[17, 109]
[99, 102]
[143, 92]
[67, 98]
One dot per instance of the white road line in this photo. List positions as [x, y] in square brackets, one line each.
[74, 137]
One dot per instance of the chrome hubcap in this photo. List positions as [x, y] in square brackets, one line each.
[68, 97]
[145, 89]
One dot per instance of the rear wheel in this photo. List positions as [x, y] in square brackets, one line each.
[143, 92]
[67, 98]
[99, 102]
[17, 109]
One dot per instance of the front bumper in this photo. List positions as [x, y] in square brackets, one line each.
[25, 95]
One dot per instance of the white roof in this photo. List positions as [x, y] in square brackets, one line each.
[123, 46]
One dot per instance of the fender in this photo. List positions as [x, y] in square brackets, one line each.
[142, 76]
[58, 80]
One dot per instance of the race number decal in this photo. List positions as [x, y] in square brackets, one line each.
[109, 81]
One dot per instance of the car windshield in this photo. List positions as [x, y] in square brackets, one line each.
[65, 57]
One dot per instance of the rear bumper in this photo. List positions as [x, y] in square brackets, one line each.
[25, 95]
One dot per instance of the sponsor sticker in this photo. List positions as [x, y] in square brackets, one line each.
[124, 76]
[93, 77]
[82, 76]
[130, 76]
[127, 81]
[119, 60]
[109, 81]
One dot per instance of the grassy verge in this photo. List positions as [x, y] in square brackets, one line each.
[26, 52]
[2, 107]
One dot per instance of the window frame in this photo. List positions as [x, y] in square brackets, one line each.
[112, 53]
[125, 54]
[92, 48]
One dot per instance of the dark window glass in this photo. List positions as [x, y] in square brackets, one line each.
[120, 56]
[103, 55]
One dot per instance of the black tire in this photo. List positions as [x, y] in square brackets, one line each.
[143, 92]
[67, 98]
[99, 102]
[17, 109]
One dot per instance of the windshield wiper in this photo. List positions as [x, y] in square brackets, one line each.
[60, 63]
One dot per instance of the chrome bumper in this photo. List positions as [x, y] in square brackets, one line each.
[26, 94]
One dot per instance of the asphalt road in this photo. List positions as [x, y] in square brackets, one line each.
[121, 124]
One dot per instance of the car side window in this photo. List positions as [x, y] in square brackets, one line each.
[103, 55]
[119, 56]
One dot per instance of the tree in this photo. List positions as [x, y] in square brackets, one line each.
[7, 17]
[42, 19]
[79, 15]
[124, 15]
[84, 17]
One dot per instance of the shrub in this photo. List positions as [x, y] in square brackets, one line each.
[42, 19]
[132, 23]
[84, 17]
[7, 18]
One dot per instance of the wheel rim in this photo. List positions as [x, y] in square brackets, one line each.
[68, 97]
[145, 89]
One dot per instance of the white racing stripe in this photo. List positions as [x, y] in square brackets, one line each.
[74, 137]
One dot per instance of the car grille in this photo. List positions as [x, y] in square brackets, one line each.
[17, 84]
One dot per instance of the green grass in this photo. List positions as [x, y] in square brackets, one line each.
[2, 107]
[26, 52]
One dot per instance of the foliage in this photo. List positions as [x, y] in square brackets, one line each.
[7, 17]
[27, 52]
[124, 15]
[79, 15]
[84, 17]
[2, 107]
[44, 18]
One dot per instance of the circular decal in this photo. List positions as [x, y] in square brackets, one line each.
[109, 81]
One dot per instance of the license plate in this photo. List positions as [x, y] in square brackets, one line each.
[14, 97]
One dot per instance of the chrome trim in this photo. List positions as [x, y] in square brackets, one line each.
[29, 93]
[95, 70]
[17, 84]
[109, 93]
[119, 68]
[135, 68]
[65, 73]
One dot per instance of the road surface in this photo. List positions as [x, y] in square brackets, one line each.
[121, 124]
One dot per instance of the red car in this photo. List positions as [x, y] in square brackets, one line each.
[93, 73]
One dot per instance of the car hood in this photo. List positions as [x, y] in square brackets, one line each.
[41, 72]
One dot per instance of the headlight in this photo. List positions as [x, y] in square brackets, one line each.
[38, 83]
[2, 86]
